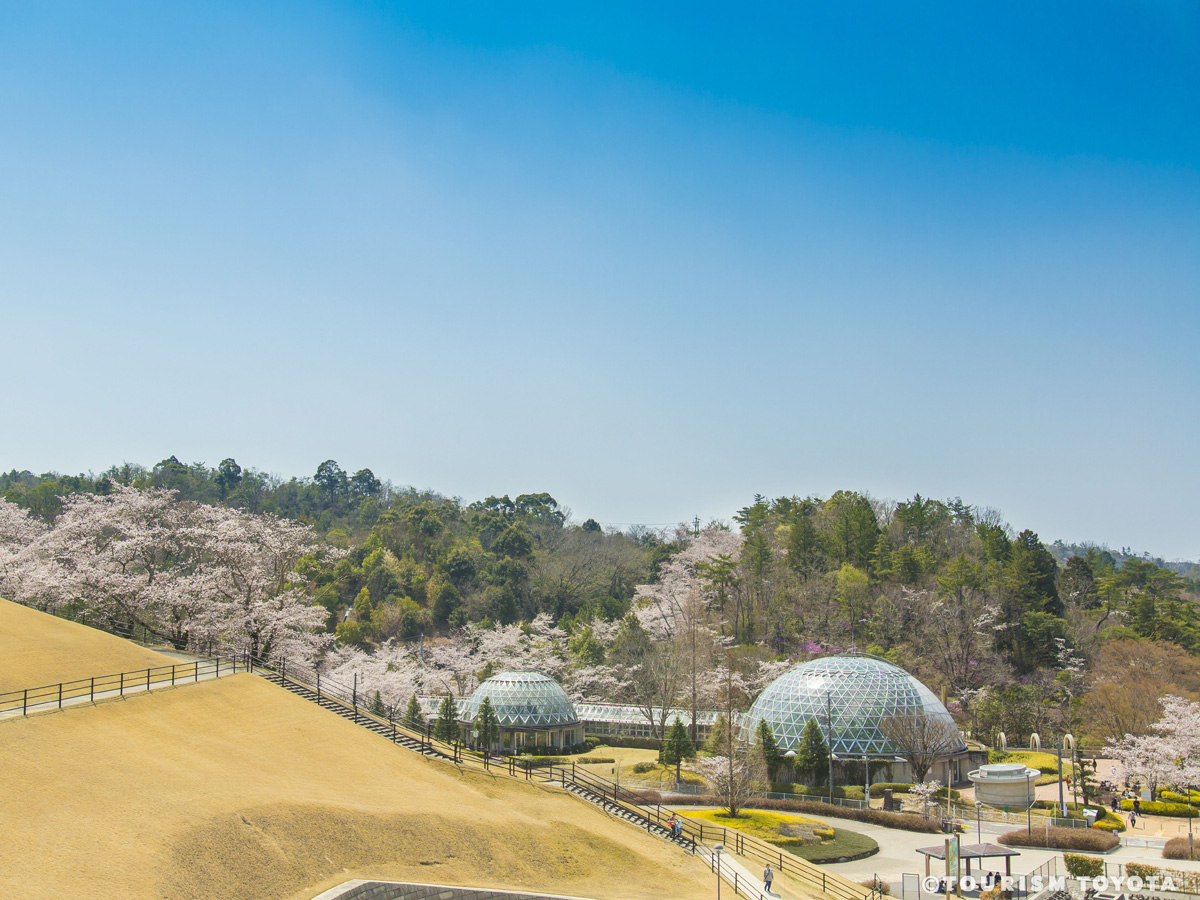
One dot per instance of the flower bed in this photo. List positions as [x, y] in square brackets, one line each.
[904, 821]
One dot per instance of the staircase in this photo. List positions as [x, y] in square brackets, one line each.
[353, 714]
[597, 798]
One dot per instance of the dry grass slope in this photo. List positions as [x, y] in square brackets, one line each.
[38, 649]
[237, 789]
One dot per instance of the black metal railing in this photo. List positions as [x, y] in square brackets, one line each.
[696, 834]
[106, 686]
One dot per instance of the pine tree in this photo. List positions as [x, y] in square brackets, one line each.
[412, 715]
[446, 728]
[487, 726]
[769, 747]
[377, 708]
[812, 759]
[677, 747]
[717, 738]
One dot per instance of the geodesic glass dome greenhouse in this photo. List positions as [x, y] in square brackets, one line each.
[524, 700]
[848, 696]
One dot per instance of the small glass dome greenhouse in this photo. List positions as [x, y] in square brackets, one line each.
[524, 700]
[848, 696]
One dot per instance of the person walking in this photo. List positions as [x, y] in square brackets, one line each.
[768, 877]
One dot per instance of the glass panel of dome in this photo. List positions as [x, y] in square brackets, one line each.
[848, 695]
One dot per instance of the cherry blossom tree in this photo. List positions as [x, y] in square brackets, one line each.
[249, 572]
[129, 556]
[18, 531]
[922, 793]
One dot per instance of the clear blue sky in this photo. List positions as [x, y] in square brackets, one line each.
[650, 261]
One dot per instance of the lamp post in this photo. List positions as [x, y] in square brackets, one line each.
[829, 729]
[867, 780]
[717, 854]
[978, 821]
[1029, 800]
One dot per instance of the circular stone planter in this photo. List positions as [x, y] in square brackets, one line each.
[1005, 784]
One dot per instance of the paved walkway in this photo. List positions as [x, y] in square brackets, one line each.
[897, 854]
[190, 670]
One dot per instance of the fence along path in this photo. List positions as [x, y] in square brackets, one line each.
[104, 687]
[307, 682]
[594, 788]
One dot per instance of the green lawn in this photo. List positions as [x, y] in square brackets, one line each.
[843, 843]
[801, 836]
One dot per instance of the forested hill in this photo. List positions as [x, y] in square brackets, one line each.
[842, 571]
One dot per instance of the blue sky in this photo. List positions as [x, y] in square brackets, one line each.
[650, 261]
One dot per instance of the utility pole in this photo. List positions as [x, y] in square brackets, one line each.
[696, 525]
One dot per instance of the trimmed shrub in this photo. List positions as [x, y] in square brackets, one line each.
[1141, 870]
[896, 787]
[1173, 797]
[904, 821]
[1083, 866]
[1177, 848]
[850, 792]
[1155, 808]
[596, 759]
[641, 768]
[1062, 839]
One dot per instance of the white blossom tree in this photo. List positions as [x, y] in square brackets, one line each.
[922, 793]
[18, 531]
[249, 570]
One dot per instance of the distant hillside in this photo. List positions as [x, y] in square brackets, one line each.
[1063, 551]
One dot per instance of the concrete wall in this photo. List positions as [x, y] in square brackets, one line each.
[395, 890]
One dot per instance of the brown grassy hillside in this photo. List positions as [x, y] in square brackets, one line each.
[37, 648]
[238, 789]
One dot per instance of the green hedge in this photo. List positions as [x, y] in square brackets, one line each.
[897, 787]
[1085, 866]
[1105, 820]
[1154, 808]
[1173, 797]
[852, 792]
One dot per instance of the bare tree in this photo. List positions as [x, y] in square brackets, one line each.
[921, 739]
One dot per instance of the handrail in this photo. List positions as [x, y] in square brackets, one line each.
[135, 679]
[609, 791]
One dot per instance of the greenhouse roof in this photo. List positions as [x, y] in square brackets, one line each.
[523, 700]
[846, 695]
[636, 715]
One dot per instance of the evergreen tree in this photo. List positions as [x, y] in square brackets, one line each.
[769, 747]
[377, 708]
[446, 728]
[812, 759]
[487, 726]
[412, 715]
[677, 747]
[717, 737]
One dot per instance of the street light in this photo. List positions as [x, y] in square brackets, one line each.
[717, 853]
[867, 780]
[829, 729]
[1030, 799]
[978, 821]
